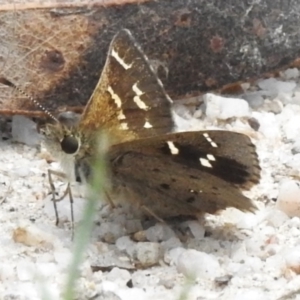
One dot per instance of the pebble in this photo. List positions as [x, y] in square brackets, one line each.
[130, 294]
[24, 131]
[276, 218]
[197, 264]
[148, 254]
[269, 125]
[273, 84]
[222, 108]
[290, 73]
[254, 99]
[296, 147]
[31, 235]
[26, 271]
[171, 256]
[196, 228]
[173, 242]
[159, 232]
[275, 106]
[292, 259]
[288, 199]
[119, 276]
[124, 243]
[290, 121]
[110, 232]
[251, 294]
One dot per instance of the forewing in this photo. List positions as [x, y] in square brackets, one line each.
[129, 98]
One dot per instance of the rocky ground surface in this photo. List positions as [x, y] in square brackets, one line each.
[232, 256]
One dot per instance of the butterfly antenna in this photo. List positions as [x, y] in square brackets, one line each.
[7, 82]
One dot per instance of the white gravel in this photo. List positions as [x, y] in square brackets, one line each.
[234, 256]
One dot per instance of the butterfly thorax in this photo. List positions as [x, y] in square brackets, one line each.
[69, 143]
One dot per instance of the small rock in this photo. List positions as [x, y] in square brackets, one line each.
[295, 99]
[249, 221]
[30, 235]
[118, 275]
[288, 199]
[139, 236]
[250, 294]
[195, 264]
[134, 293]
[173, 242]
[7, 272]
[239, 254]
[292, 259]
[296, 147]
[47, 270]
[110, 231]
[148, 254]
[24, 131]
[124, 243]
[275, 106]
[255, 99]
[290, 121]
[218, 107]
[223, 280]
[108, 295]
[254, 124]
[25, 270]
[167, 283]
[195, 228]
[293, 162]
[159, 232]
[198, 113]
[22, 171]
[133, 226]
[171, 256]
[272, 84]
[269, 125]
[290, 73]
[276, 218]
[62, 256]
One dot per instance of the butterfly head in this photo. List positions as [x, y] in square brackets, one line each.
[63, 135]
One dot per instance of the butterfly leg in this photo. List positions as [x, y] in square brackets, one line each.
[150, 212]
[110, 201]
[68, 191]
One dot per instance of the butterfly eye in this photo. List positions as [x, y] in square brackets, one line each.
[69, 144]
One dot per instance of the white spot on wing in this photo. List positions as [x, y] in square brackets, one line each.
[174, 150]
[124, 126]
[141, 104]
[147, 125]
[205, 163]
[211, 157]
[208, 138]
[121, 116]
[115, 97]
[120, 60]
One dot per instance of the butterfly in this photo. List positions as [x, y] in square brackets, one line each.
[167, 173]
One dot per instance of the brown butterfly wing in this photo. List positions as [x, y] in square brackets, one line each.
[129, 100]
[187, 173]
